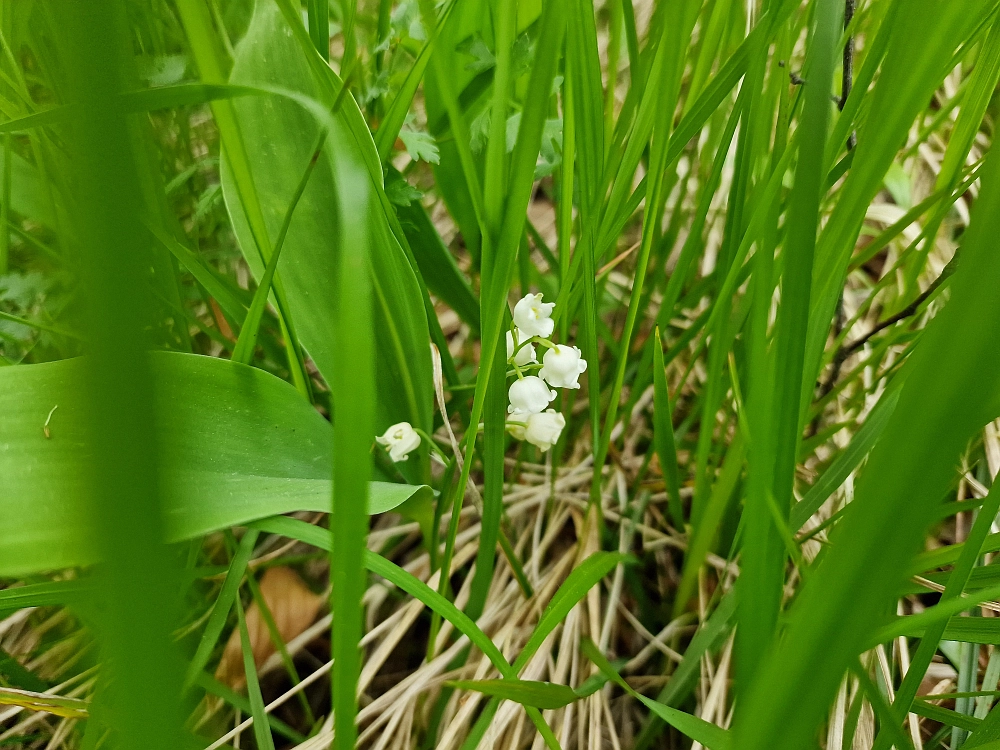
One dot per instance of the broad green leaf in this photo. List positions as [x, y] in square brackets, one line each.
[279, 136]
[437, 265]
[213, 59]
[235, 444]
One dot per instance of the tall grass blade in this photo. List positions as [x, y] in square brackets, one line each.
[762, 578]
[353, 387]
[261, 730]
[663, 433]
[521, 177]
[709, 735]
[136, 604]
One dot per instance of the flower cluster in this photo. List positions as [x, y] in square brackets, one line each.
[530, 394]
[528, 415]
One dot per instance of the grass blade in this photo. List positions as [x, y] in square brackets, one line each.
[663, 432]
[762, 577]
[247, 341]
[261, 730]
[709, 735]
[353, 389]
[135, 598]
[544, 695]
[223, 604]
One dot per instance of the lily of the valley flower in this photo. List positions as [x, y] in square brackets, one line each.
[542, 430]
[529, 395]
[400, 440]
[526, 354]
[534, 317]
[562, 366]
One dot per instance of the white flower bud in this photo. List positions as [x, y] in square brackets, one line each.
[543, 430]
[400, 440]
[529, 395]
[526, 354]
[534, 317]
[562, 366]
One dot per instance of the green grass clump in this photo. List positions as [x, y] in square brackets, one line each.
[615, 374]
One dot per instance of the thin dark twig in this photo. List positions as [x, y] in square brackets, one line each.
[911, 309]
[848, 73]
[847, 350]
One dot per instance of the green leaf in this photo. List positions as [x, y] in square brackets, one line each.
[437, 264]
[846, 462]
[945, 716]
[711, 736]
[544, 695]
[206, 276]
[279, 136]
[923, 39]
[954, 629]
[420, 146]
[45, 594]
[223, 603]
[261, 730]
[584, 577]
[663, 433]
[354, 396]
[401, 193]
[295, 529]
[235, 444]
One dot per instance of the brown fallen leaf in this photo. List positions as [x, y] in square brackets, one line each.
[294, 608]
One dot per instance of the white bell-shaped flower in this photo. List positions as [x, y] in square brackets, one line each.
[526, 354]
[543, 430]
[562, 366]
[400, 440]
[516, 429]
[534, 317]
[529, 395]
